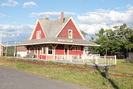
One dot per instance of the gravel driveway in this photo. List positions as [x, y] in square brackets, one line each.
[16, 79]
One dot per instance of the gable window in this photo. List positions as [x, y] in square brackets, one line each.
[76, 48]
[49, 49]
[69, 33]
[38, 35]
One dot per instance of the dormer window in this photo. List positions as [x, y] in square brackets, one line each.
[38, 35]
[69, 33]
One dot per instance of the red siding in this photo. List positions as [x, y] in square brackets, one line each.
[43, 56]
[70, 26]
[38, 28]
[60, 51]
[76, 52]
[47, 57]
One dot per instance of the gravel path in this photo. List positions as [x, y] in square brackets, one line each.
[15, 79]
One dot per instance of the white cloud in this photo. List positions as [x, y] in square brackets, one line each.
[2, 15]
[50, 14]
[10, 3]
[11, 32]
[106, 16]
[29, 4]
[92, 22]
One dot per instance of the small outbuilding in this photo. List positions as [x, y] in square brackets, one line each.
[21, 51]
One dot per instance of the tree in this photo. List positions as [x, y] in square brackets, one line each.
[84, 33]
[119, 40]
[125, 34]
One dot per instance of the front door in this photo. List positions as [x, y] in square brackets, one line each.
[66, 52]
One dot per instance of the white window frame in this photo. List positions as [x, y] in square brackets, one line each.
[76, 48]
[70, 34]
[44, 48]
[38, 35]
[50, 49]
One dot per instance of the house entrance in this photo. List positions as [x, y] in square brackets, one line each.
[66, 50]
[66, 47]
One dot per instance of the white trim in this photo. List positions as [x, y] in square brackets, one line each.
[42, 52]
[46, 50]
[59, 43]
[75, 26]
[38, 34]
[78, 29]
[51, 50]
[33, 31]
[37, 52]
[70, 35]
[42, 29]
[63, 25]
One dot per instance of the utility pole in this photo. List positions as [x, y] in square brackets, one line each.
[14, 47]
[6, 47]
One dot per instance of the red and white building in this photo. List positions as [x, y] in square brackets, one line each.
[1, 50]
[56, 39]
[21, 52]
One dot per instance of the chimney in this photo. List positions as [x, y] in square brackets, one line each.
[46, 18]
[62, 18]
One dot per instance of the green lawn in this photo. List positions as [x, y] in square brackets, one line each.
[120, 76]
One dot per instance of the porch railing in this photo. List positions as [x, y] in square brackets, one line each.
[94, 58]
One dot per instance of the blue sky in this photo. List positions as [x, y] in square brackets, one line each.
[18, 17]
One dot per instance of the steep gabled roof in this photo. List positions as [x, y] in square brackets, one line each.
[52, 27]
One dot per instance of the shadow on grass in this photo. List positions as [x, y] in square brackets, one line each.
[105, 75]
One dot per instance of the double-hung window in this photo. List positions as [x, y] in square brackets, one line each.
[76, 48]
[44, 50]
[69, 33]
[49, 49]
[38, 35]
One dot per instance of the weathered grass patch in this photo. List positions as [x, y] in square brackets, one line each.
[91, 78]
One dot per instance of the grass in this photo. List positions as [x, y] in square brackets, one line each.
[92, 78]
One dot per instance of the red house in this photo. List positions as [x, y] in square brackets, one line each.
[56, 39]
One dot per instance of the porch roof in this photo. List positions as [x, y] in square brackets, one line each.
[58, 40]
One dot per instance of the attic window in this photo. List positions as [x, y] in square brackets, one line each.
[38, 35]
[69, 33]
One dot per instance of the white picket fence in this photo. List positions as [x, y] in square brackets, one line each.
[93, 58]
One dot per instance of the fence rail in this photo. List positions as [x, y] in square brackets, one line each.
[95, 58]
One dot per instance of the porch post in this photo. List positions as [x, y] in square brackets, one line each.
[54, 49]
[54, 53]
[46, 52]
